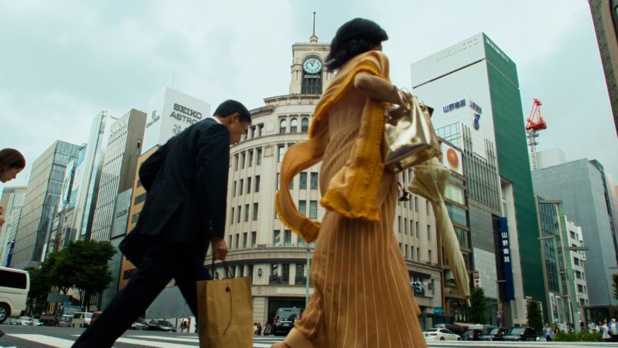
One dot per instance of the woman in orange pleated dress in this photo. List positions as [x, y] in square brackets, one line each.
[362, 296]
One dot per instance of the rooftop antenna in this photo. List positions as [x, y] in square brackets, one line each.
[313, 38]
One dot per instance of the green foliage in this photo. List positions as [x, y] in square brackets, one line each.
[83, 265]
[476, 312]
[615, 285]
[535, 319]
[39, 287]
[578, 337]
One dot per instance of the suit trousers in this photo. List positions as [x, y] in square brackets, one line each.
[163, 261]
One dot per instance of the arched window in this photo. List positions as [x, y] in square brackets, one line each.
[283, 125]
[304, 125]
[294, 125]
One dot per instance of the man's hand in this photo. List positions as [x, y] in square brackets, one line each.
[219, 248]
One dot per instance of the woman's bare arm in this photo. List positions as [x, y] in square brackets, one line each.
[376, 87]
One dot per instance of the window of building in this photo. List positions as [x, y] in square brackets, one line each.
[240, 186]
[283, 125]
[246, 212]
[236, 162]
[302, 181]
[249, 185]
[257, 184]
[277, 238]
[313, 209]
[294, 125]
[260, 129]
[300, 270]
[253, 239]
[416, 204]
[311, 83]
[301, 241]
[427, 207]
[304, 125]
[232, 217]
[258, 156]
[274, 269]
[236, 240]
[252, 132]
[250, 160]
[314, 181]
[429, 255]
[139, 199]
[287, 238]
[285, 273]
[428, 232]
[255, 211]
[457, 215]
[242, 160]
[278, 180]
[416, 229]
[455, 194]
[302, 207]
[281, 152]
[238, 214]
[405, 226]
[244, 240]
[234, 189]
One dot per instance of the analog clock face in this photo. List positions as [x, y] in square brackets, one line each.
[312, 66]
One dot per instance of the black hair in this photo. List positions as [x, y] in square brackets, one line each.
[11, 158]
[230, 107]
[353, 38]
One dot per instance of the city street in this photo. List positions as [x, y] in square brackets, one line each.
[61, 337]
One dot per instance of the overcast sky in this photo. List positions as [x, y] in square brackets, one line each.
[62, 62]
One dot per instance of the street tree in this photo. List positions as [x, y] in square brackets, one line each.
[57, 272]
[91, 274]
[535, 318]
[476, 312]
[39, 288]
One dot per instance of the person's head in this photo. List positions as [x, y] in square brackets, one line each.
[353, 38]
[546, 324]
[11, 163]
[235, 117]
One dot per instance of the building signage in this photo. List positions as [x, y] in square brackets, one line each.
[477, 279]
[454, 106]
[154, 117]
[452, 159]
[438, 310]
[506, 260]
[457, 48]
[496, 49]
[183, 113]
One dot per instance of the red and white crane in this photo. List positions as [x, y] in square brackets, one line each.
[534, 123]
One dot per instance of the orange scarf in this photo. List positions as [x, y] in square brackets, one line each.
[352, 191]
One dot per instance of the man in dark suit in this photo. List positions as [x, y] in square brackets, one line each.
[186, 181]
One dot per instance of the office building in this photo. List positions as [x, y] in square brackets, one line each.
[119, 169]
[582, 187]
[605, 20]
[12, 199]
[474, 89]
[42, 199]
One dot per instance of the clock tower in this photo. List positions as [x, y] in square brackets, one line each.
[309, 75]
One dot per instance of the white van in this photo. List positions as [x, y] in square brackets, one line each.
[14, 287]
[81, 319]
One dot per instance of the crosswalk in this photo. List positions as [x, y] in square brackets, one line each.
[133, 340]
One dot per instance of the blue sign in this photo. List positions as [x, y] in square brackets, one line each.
[454, 106]
[506, 260]
[438, 310]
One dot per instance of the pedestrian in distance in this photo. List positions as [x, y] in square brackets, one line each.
[12, 162]
[548, 332]
[185, 212]
[356, 247]
[613, 330]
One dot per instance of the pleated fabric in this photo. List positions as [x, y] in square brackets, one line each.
[362, 294]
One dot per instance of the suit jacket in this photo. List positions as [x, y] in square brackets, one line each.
[186, 181]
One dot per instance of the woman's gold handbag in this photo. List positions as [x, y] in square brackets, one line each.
[409, 137]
